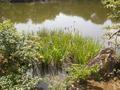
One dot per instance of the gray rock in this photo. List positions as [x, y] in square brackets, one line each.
[106, 60]
[42, 86]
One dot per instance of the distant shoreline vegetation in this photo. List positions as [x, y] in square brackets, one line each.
[22, 0]
[40, 0]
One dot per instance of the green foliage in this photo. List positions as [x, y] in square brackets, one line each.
[114, 7]
[23, 82]
[55, 82]
[80, 72]
[9, 38]
[113, 26]
[18, 82]
[17, 50]
[55, 46]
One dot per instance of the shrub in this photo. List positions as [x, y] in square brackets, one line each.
[9, 38]
[17, 50]
[18, 82]
[114, 8]
[79, 72]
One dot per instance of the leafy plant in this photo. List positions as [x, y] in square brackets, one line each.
[114, 8]
[17, 50]
[18, 82]
[79, 72]
[9, 38]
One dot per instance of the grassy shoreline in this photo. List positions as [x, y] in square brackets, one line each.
[38, 52]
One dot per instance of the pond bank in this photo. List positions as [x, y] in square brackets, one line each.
[16, 1]
[113, 84]
[108, 76]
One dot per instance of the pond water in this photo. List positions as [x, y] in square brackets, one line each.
[84, 16]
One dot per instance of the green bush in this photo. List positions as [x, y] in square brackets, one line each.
[114, 8]
[114, 12]
[18, 82]
[17, 50]
[9, 38]
[79, 72]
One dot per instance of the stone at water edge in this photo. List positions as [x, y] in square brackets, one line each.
[106, 59]
[41, 86]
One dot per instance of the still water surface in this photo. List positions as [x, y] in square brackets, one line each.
[87, 17]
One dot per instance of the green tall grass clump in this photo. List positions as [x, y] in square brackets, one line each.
[58, 47]
[55, 46]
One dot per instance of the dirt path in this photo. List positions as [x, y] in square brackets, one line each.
[95, 85]
[108, 85]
